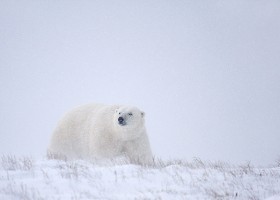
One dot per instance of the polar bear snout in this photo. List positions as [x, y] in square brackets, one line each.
[121, 121]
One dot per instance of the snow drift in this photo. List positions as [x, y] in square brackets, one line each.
[28, 178]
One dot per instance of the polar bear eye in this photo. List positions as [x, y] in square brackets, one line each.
[120, 113]
[130, 114]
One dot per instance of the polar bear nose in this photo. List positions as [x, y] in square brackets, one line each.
[120, 119]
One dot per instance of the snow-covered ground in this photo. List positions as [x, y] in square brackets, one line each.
[27, 178]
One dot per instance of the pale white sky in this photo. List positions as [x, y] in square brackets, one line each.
[207, 73]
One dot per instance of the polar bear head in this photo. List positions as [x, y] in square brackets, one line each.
[129, 121]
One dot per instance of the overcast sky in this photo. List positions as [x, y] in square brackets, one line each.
[207, 73]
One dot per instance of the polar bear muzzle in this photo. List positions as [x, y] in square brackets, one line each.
[121, 121]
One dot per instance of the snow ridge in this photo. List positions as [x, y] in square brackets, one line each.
[30, 179]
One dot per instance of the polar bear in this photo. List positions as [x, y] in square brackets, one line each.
[102, 131]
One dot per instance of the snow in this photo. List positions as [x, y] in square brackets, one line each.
[274, 198]
[28, 178]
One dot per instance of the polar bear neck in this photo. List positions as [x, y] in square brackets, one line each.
[127, 134]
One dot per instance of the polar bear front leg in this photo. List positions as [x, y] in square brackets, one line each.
[139, 150]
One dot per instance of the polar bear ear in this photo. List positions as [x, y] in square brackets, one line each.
[143, 114]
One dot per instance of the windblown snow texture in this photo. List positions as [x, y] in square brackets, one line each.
[26, 178]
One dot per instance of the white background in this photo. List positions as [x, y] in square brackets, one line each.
[207, 73]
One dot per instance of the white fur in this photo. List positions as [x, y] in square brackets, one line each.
[93, 131]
